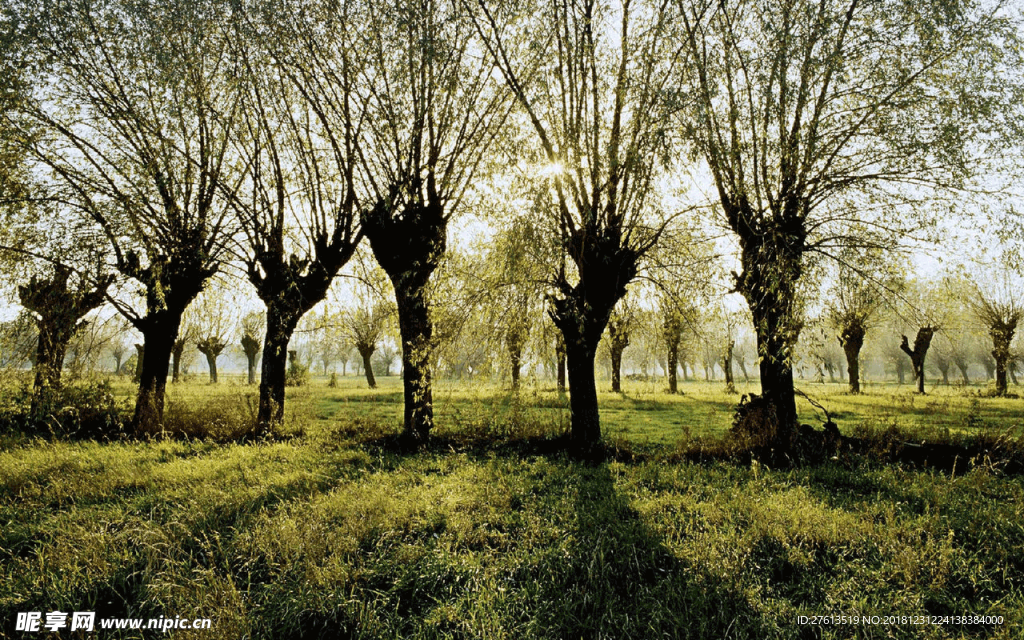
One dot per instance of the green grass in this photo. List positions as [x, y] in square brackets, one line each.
[644, 413]
[328, 534]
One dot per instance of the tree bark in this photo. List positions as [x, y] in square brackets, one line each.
[515, 360]
[140, 352]
[672, 365]
[1002, 336]
[365, 351]
[154, 356]
[918, 353]
[730, 386]
[851, 339]
[560, 363]
[281, 323]
[417, 344]
[408, 242]
[586, 421]
[775, 337]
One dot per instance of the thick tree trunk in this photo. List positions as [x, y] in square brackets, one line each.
[851, 339]
[154, 357]
[50, 352]
[775, 337]
[211, 362]
[586, 421]
[417, 336]
[365, 352]
[281, 323]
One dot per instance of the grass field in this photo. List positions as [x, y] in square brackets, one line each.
[326, 533]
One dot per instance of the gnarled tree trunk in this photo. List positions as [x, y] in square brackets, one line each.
[851, 339]
[918, 353]
[1002, 336]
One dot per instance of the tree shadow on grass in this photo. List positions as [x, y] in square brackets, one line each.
[612, 577]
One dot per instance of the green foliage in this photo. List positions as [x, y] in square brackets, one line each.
[85, 411]
[297, 374]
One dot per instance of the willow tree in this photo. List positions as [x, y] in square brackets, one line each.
[591, 78]
[298, 203]
[59, 306]
[999, 311]
[831, 122]
[433, 110]
[134, 111]
[863, 281]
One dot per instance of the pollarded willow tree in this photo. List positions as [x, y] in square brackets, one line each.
[298, 204]
[1000, 310]
[59, 304]
[827, 123]
[134, 108]
[863, 281]
[591, 78]
[252, 328]
[433, 108]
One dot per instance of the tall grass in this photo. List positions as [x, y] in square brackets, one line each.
[331, 533]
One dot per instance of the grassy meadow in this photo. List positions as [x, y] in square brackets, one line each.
[329, 532]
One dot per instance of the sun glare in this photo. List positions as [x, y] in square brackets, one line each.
[552, 170]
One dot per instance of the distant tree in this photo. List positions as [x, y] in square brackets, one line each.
[672, 326]
[1000, 312]
[862, 281]
[59, 306]
[619, 326]
[119, 349]
[19, 341]
[252, 329]
[99, 332]
[214, 321]
[917, 355]
[188, 335]
[365, 327]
